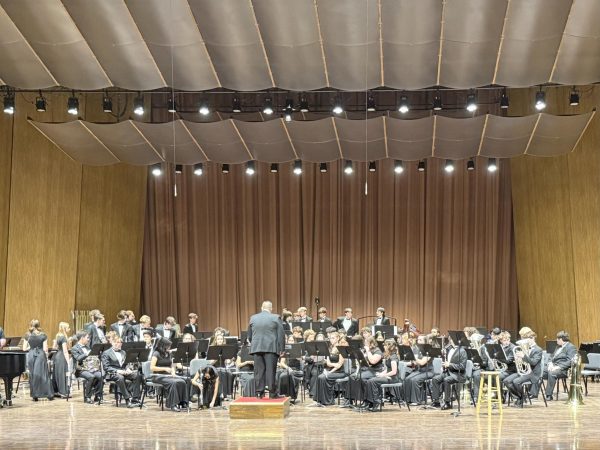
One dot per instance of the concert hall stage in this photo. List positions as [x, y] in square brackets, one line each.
[74, 425]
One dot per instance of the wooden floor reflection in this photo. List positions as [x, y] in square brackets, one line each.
[74, 425]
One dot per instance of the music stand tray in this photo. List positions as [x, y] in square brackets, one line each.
[388, 331]
[304, 325]
[320, 327]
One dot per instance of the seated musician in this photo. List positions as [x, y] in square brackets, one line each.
[147, 338]
[130, 318]
[310, 365]
[526, 352]
[145, 324]
[286, 318]
[121, 327]
[223, 367]
[323, 315]
[88, 325]
[349, 324]
[494, 336]
[168, 329]
[298, 334]
[381, 319]
[560, 363]
[245, 366]
[357, 383]
[89, 371]
[390, 374]
[366, 332]
[163, 372]
[128, 381]
[289, 374]
[207, 381]
[418, 372]
[97, 330]
[454, 372]
[192, 325]
[433, 336]
[302, 316]
[477, 343]
[323, 391]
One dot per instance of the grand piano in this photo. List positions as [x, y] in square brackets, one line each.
[12, 365]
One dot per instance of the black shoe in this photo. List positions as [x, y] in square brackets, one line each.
[260, 395]
[375, 407]
[346, 404]
[175, 408]
[549, 398]
[446, 406]
[435, 404]
[88, 400]
[518, 403]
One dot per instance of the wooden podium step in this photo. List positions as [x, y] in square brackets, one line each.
[254, 408]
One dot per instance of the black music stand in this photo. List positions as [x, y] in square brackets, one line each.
[405, 353]
[386, 330]
[137, 355]
[437, 342]
[203, 334]
[474, 356]
[320, 327]
[203, 347]
[495, 351]
[294, 351]
[97, 350]
[244, 336]
[304, 325]
[430, 351]
[551, 347]
[459, 338]
[127, 346]
[317, 348]
[220, 353]
[362, 363]
[231, 340]
[186, 351]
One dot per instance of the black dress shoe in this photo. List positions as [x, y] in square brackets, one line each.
[435, 404]
[260, 394]
[375, 407]
[446, 406]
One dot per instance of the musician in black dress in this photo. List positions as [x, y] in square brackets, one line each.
[357, 384]
[207, 380]
[92, 384]
[421, 369]
[245, 366]
[61, 371]
[163, 373]
[323, 391]
[223, 367]
[289, 373]
[286, 319]
[390, 374]
[40, 384]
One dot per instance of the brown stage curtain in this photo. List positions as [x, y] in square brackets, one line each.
[433, 247]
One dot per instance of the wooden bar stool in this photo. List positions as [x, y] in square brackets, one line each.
[492, 376]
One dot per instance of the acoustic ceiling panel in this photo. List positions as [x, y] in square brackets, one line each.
[316, 140]
[409, 140]
[557, 135]
[361, 140]
[457, 138]
[507, 136]
[220, 141]
[267, 141]
[173, 141]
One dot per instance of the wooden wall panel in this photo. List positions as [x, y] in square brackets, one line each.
[6, 129]
[44, 227]
[557, 227]
[113, 201]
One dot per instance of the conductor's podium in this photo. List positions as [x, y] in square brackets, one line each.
[254, 408]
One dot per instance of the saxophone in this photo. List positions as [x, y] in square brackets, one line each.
[523, 346]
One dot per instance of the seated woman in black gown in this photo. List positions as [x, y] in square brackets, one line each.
[207, 380]
[245, 366]
[163, 373]
[61, 371]
[388, 375]
[288, 374]
[223, 367]
[40, 384]
[323, 391]
[357, 383]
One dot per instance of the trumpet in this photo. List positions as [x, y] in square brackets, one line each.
[523, 347]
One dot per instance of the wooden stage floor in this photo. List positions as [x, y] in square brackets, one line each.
[75, 425]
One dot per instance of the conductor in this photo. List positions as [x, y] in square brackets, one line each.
[267, 342]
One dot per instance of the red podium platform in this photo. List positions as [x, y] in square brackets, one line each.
[254, 408]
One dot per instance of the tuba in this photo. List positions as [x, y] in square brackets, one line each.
[575, 390]
[523, 346]
[476, 340]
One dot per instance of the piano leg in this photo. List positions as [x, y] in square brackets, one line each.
[8, 382]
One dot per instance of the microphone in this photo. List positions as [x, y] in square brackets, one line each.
[317, 301]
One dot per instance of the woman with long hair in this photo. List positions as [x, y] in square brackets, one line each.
[40, 384]
[389, 374]
[62, 371]
[207, 381]
[223, 367]
[323, 391]
[163, 373]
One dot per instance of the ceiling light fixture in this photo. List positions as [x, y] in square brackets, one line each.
[297, 167]
[198, 169]
[540, 100]
[73, 105]
[471, 105]
[404, 106]
[138, 105]
[398, 166]
[268, 107]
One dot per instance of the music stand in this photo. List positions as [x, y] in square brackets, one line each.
[496, 352]
[405, 353]
[97, 350]
[203, 346]
[186, 351]
[320, 327]
[459, 338]
[429, 351]
[437, 342]
[304, 325]
[474, 356]
[551, 347]
[388, 331]
[134, 356]
[294, 351]
[356, 344]
[127, 346]
[203, 334]
[482, 330]
[317, 348]
[220, 353]
[244, 336]
[231, 340]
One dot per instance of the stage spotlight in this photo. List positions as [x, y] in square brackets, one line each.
[73, 105]
[574, 97]
[107, 105]
[398, 166]
[471, 165]
[348, 169]
[437, 101]
[250, 168]
[371, 103]
[504, 100]
[323, 167]
[236, 105]
[9, 103]
[540, 100]
[372, 166]
[297, 167]
[492, 165]
[303, 105]
[274, 168]
[225, 168]
[178, 169]
[268, 107]
[449, 166]
[404, 106]
[471, 105]
[289, 109]
[40, 103]
[198, 169]
[421, 166]
[156, 169]
[204, 109]
[171, 106]
[337, 107]
[138, 106]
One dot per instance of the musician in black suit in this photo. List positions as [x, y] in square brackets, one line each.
[381, 319]
[97, 330]
[168, 329]
[323, 315]
[267, 342]
[128, 381]
[454, 372]
[121, 327]
[92, 376]
[137, 331]
[88, 326]
[286, 319]
[346, 322]
[514, 383]
[192, 326]
[303, 317]
[560, 363]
